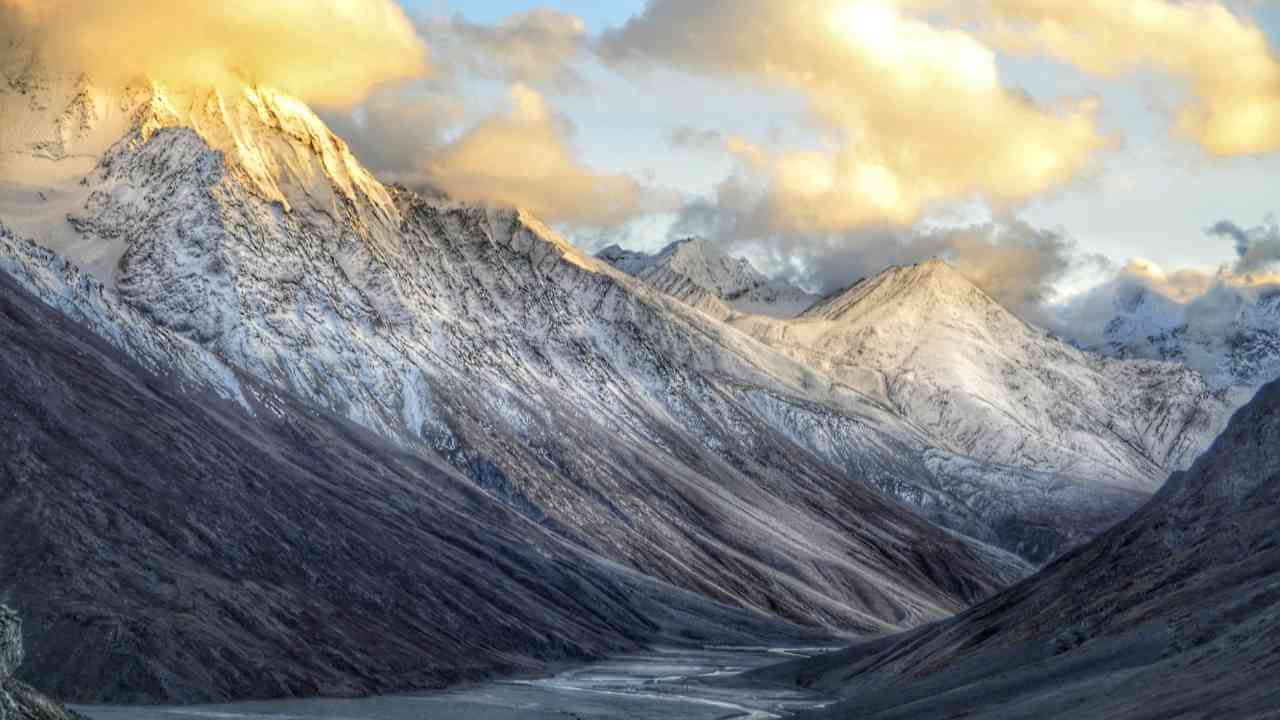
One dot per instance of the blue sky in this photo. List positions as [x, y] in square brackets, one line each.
[1152, 197]
[598, 14]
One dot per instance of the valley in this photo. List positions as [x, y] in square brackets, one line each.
[284, 434]
[667, 683]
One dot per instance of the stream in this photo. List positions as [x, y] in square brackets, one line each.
[663, 684]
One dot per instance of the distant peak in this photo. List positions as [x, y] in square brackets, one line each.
[615, 251]
[930, 283]
[684, 245]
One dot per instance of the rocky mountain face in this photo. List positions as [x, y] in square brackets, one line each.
[17, 700]
[698, 273]
[166, 545]
[1169, 615]
[231, 246]
[1231, 335]
[942, 352]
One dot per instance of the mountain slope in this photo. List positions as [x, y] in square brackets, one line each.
[1042, 446]
[951, 359]
[1169, 615]
[598, 408]
[168, 546]
[700, 274]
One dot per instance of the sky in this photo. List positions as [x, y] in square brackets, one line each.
[1148, 192]
[1044, 147]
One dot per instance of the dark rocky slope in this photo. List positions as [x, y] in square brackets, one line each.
[1172, 614]
[18, 701]
[166, 548]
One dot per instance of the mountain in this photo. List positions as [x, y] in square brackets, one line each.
[167, 545]
[1169, 615]
[937, 348]
[697, 272]
[1045, 445]
[228, 243]
[1230, 334]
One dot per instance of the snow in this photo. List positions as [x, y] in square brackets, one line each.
[1230, 334]
[701, 274]
[987, 385]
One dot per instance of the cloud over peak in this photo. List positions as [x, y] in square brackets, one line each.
[522, 157]
[327, 52]
[1257, 249]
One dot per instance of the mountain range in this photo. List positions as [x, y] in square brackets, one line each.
[234, 250]
[1083, 437]
[280, 429]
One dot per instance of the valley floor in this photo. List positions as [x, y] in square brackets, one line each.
[664, 684]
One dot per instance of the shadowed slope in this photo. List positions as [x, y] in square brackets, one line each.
[1171, 614]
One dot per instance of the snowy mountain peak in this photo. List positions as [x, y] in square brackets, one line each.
[701, 274]
[709, 267]
[78, 160]
[916, 296]
[287, 153]
[938, 348]
[59, 126]
[1230, 334]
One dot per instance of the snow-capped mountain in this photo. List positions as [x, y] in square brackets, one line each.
[1230, 334]
[699, 273]
[229, 233]
[929, 343]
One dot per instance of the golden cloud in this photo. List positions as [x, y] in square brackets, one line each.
[1227, 59]
[328, 52]
[522, 158]
[916, 114]
[531, 48]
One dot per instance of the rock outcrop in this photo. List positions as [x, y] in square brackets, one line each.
[19, 701]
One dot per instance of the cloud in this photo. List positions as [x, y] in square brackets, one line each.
[327, 52]
[431, 135]
[1019, 265]
[395, 133]
[530, 48]
[1140, 298]
[691, 138]
[1226, 58]
[913, 115]
[522, 158]
[1257, 249]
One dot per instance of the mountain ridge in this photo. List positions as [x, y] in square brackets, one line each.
[698, 273]
[1081, 430]
[936, 338]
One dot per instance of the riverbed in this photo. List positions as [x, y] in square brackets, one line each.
[663, 684]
